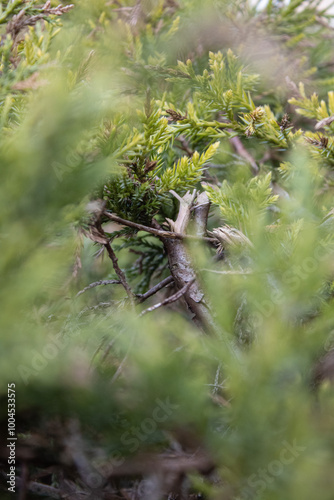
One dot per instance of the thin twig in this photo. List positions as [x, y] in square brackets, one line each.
[184, 145]
[98, 283]
[324, 22]
[155, 289]
[97, 234]
[242, 151]
[122, 9]
[135, 14]
[216, 383]
[169, 300]
[141, 227]
[122, 363]
[100, 305]
[220, 401]
[245, 271]
[119, 369]
[119, 272]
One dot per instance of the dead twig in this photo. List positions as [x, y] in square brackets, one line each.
[21, 20]
[232, 272]
[97, 234]
[242, 151]
[154, 230]
[184, 144]
[155, 289]
[120, 273]
[101, 305]
[135, 14]
[98, 283]
[141, 227]
[169, 300]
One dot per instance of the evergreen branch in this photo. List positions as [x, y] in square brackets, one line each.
[155, 289]
[9, 10]
[22, 19]
[98, 283]
[173, 298]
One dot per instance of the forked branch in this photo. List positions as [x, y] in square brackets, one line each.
[169, 300]
[179, 259]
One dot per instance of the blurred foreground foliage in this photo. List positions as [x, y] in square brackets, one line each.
[119, 120]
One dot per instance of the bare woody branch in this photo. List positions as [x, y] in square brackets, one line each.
[120, 273]
[155, 289]
[98, 283]
[97, 234]
[173, 298]
[181, 265]
[141, 227]
[154, 230]
[22, 20]
[201, 214]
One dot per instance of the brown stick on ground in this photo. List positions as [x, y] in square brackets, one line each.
[180, 262]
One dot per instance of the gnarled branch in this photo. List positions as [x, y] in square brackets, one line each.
[180, 263]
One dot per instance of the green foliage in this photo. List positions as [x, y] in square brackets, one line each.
[243, 202]
[187, 172]
[131, 199]
[224, 86]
